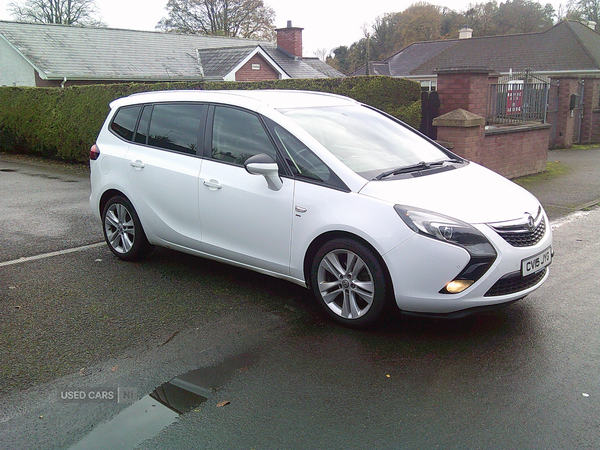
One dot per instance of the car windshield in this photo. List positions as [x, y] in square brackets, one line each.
[366, 141]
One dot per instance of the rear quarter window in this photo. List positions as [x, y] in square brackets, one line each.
[123, 124]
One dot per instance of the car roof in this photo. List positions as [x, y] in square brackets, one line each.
[276, 99]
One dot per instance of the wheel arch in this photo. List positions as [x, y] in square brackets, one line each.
[320, 240]
[107, 195]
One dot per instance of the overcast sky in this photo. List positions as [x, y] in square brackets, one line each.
[327, 23]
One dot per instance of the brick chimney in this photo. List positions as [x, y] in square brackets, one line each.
[289, 39]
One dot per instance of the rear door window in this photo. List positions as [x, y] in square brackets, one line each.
[176, 126]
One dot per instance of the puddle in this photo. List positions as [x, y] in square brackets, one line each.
[146, 417]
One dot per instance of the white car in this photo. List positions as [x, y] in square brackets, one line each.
[322, 191]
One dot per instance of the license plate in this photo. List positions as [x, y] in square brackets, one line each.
[537, 262]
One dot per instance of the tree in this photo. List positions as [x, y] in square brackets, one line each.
[523, 16]
[482, 18]
[340, 59]
[236, 18]
[65, 12]
[588, 9]
[322, 54]
[452, 21]
[568, 12]
[384, 39]
[357, 55]
[420, 22]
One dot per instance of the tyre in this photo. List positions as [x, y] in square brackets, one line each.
[123, 230]
[349, 282]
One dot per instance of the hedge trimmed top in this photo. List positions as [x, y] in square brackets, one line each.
[63, 123]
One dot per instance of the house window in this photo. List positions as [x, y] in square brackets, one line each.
[255, 66]
[428, 85]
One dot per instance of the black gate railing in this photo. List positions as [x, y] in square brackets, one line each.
[430, 107]
[517, 102]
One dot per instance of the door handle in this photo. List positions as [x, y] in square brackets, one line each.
[137, 164]
[213, 185]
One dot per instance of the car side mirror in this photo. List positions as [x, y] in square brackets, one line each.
[263, 164]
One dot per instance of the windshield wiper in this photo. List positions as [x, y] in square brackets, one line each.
[414, 168]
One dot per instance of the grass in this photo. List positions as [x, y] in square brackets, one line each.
[582, 147]
[554, 169]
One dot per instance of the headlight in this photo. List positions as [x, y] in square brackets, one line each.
[453, 231]
[446, 229]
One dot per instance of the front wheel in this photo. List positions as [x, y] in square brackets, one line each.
[349, 282]
[123, 230]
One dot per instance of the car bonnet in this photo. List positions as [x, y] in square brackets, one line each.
[471, 193]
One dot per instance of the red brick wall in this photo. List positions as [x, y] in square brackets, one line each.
[515, 153]
[510, 151]
[266, 72]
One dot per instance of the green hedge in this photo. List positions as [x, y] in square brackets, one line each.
[63, 123]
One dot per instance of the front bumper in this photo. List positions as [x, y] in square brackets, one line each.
[421, 267]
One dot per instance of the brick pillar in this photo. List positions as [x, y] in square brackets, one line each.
[465, 88]
[565, 121]
[463, 132]
[590, 104]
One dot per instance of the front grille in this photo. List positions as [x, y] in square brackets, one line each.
[515, 282]
[524, 232]
[524, 237]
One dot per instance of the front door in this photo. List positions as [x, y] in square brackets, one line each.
[242, 219]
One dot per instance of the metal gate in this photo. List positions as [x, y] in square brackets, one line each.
[430, 107]
[552, 114]
[517, 98]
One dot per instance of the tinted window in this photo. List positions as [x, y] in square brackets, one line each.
[303, 162]
[238, 135]
[176, 126]
[124, 122]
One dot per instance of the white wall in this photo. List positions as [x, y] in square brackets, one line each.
[14, 70]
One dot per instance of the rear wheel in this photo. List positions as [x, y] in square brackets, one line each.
[349, 282]
[123, 230]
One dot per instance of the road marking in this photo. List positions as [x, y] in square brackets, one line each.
[568, 219]
[51, 254]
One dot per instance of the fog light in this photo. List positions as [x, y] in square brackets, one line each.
[456, 286]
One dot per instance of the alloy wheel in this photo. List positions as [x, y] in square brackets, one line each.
[120, 228]
[345, 283]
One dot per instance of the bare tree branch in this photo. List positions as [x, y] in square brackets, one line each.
[65, 12]
[238, 18]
